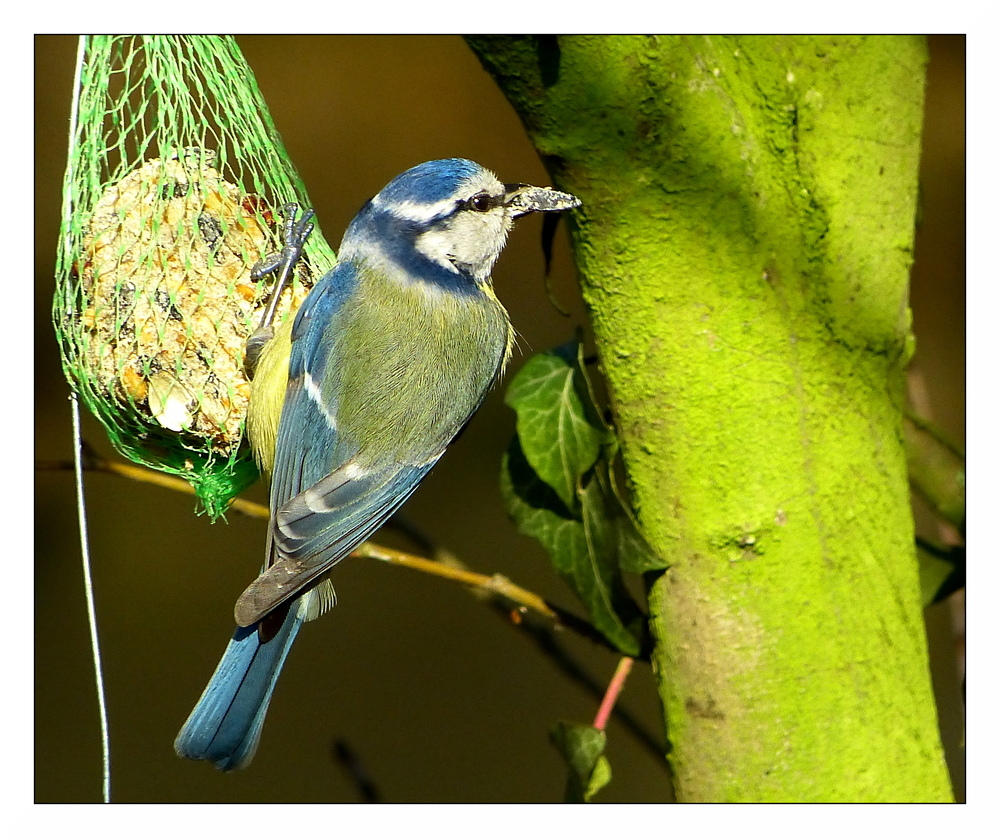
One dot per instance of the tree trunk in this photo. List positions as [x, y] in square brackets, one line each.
[744, 247]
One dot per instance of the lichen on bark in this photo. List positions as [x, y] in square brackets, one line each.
[743, 248]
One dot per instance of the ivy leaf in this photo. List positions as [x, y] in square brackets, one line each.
[933, 572]
[582, 550]
[597, 575]
[591, 408]
[582, 747]
[559, 435]
[557, 485]
[635, 555]
[942, 570]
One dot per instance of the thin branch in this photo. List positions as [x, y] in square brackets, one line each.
[548, 644]
[514, 603]
[345, 755]
[936, 465]
[444, 566]
[493, 585]
[615, 687]
[938, 434]
[92, 461]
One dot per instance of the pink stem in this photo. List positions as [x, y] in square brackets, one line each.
[611, 695]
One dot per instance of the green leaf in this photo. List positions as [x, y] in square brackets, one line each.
[635, 555]
[582, 747]
[559, 434]
[582, 550]
[942, 570]
[599, 777]
[597, 576]
[933, 572]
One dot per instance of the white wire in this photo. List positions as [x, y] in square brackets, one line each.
[88, 587]
[81, 506]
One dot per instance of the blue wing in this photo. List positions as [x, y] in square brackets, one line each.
[333, 485]
[324, 502]
[225, 725]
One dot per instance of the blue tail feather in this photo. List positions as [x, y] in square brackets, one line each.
[225, 725]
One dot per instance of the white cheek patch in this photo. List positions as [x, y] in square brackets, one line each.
[436, 245]
[469, 242]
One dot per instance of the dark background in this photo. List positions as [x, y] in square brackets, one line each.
[441, 699]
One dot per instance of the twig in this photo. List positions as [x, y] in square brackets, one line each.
[345, 755]
[495, 586]
[614, 690]
[936, 465]
[938, 434]
[495, 589]
[501, 593]
[549, 645]
[92, 461]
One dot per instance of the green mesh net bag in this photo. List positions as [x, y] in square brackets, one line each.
[174, 189]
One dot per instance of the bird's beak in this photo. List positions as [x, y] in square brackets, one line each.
[522, 199]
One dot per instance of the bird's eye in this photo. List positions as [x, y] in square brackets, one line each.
[480, 202]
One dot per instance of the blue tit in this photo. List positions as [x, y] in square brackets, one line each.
[354, 400]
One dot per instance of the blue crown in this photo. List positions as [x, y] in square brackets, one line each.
[430, 182]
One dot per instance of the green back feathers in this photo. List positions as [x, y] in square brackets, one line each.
[413, 363]
[408, 365]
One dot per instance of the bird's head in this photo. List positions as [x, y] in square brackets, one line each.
[449, 217]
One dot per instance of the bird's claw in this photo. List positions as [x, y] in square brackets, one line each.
[295, 234]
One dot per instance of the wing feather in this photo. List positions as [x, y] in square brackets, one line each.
[309, 543]
[411, 369]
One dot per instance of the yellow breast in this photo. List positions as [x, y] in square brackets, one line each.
[267, 395]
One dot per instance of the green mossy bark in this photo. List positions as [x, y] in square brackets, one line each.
[744, 247]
